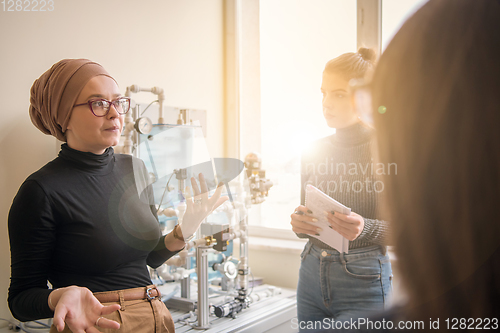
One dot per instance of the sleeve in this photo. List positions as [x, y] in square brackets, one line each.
[32, 239]
[375, 231]
[160, 254]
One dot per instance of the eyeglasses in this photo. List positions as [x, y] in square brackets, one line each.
[100, 107]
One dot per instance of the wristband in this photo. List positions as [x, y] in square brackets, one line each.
[177, 236]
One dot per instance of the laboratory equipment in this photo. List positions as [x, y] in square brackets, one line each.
[174, 145]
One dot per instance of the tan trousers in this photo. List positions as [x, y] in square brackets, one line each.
[138, 316]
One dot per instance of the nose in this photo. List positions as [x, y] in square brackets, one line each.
[112, 113]
[328, 102]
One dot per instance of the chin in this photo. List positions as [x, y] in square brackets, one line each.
[114, 143]
[332, 123]
[339, 125]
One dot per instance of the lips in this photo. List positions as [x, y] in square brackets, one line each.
[112, 128]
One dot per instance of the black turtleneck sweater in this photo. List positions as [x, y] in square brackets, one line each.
[80, 220]
[341, 165]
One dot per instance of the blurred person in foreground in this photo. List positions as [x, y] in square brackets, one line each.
[436, 108]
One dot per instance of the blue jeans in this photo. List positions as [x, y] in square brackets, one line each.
[341, 286]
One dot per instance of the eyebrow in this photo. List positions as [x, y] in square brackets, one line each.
[336, 90]
[101, 96]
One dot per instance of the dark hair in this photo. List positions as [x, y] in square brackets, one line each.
[439, 81]
[352, 65]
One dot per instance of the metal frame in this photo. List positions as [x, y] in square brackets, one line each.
[369, 24]
[242, 76]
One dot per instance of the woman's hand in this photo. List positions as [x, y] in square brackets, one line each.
[199, 206]
[349, 226]
[300, 216]
[79, 309]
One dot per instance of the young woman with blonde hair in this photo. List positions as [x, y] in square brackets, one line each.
[333, 285]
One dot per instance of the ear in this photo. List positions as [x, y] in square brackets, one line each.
[69, 126]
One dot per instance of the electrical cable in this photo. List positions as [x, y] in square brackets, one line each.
[151, 159]
[253, 282]
[149, 106]
[184, 317]
[30, 328]
[39, 325]
[170, 295]
[8, 321]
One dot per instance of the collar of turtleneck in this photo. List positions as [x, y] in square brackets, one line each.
[86, 161]
[353, 135]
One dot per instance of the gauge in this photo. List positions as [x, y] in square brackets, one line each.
[143, 125]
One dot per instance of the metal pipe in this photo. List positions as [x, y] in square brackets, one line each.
[202, 271]
[155, 90]
[186, 282]
[243, 267]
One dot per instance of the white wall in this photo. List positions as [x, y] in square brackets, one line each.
[278, 266]
[176, 45]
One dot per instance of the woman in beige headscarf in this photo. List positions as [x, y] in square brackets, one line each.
[81, 223]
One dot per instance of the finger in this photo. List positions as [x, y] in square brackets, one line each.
[59, 316]
[215, 197]
[108, 323]
[203, 183]
[352, 227]
[196, 189]
[220, 201]
[203, 188]
[305, 231]
[303, 218]
[303, 209]
[338, 224]
[341, 229]
[346, 218]
[312, 229]
[349, 237]
[108, 309]
[187, 192]
[187, 196]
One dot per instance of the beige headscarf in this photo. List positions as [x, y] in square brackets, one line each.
[55, 92]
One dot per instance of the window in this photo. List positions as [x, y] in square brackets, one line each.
[297, 38]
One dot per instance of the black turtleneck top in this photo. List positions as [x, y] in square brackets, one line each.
[85, 220]
[341, 165]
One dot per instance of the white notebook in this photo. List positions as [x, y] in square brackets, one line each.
[318, 202]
